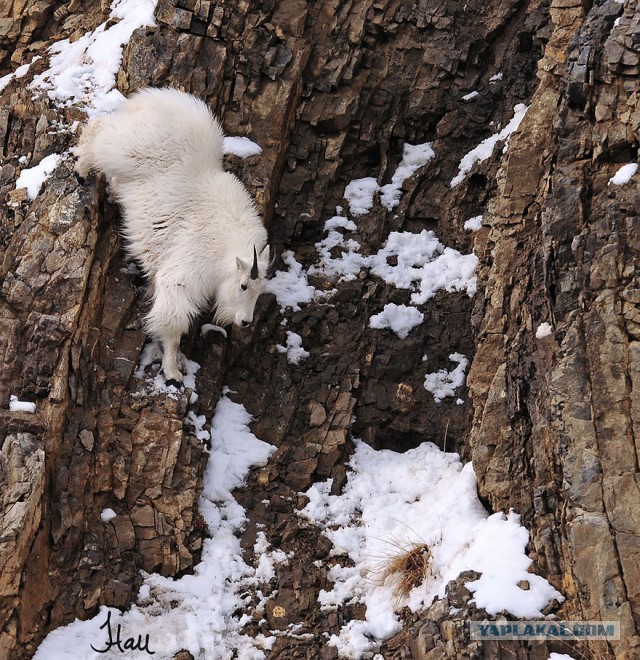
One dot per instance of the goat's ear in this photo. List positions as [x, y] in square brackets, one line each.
[241, 264]
[264, 255]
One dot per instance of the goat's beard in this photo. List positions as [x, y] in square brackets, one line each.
[223, 316]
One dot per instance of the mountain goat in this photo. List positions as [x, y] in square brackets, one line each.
[192, 227]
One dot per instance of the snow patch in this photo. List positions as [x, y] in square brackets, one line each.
[359, 194]
[473, 224]
[624, 174]
[293, 349]
[420, 263]
[241, 146]
[20, 72]
[208, 609]
[34, 177]
[83, 73]
[346, 265]
[198, 422]
[444, 383]
[394, 502]
[486, 147]
[15, 405]
[107, 515]
[291, 287]
[424, 264]
[399, 318]
[544, 330]
[339, 222]
[414, 157]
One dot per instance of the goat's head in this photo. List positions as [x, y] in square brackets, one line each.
[238, 293]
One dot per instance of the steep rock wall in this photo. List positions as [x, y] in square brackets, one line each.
[555, 424]
[331, 91]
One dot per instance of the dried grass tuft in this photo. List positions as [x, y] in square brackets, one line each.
[408, 569]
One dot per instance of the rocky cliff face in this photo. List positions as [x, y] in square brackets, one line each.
[555, 426]
[331, 91]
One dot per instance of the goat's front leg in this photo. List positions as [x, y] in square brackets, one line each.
[170, 344]
[168, 320]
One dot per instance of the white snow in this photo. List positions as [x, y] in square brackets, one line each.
[293, 349]
[241, 146]
[155, 384]
[424, 265]
[486, 147]
[206, 610]
[291, 287]
[473, 224]
[5, 80]
[33, 177]
[15, 405]
[359, 194]
[20, 72]
[470, 96]
[444, 383]
[544, 330]
[399, 318]
[496, 77]
[414, 157]
[346, 265]
[624, 174]
[107, 515]
[394, 502]
[198, 422]
[564, 656]
[83, 73]
[340, 222]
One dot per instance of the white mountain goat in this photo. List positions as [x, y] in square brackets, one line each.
[193, 227]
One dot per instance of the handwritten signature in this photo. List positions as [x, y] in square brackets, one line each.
[129, 644]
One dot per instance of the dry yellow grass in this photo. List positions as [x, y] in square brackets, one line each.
[408, 568]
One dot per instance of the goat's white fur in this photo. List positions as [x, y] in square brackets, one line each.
[191, 225]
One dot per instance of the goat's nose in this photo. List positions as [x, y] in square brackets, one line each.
[245, 323]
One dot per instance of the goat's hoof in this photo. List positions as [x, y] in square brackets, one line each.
[80, 179]
[172, 382]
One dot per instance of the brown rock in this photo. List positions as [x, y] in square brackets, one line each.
[331, 92]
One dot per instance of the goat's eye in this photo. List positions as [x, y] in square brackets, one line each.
[243, 287]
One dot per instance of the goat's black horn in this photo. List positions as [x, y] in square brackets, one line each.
[254, 267]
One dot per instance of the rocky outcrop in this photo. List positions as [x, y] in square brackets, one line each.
[331, 91]
[71, 343]
[555, 429]
[28, 26]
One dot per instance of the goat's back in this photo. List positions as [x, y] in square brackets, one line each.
[153, 131]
